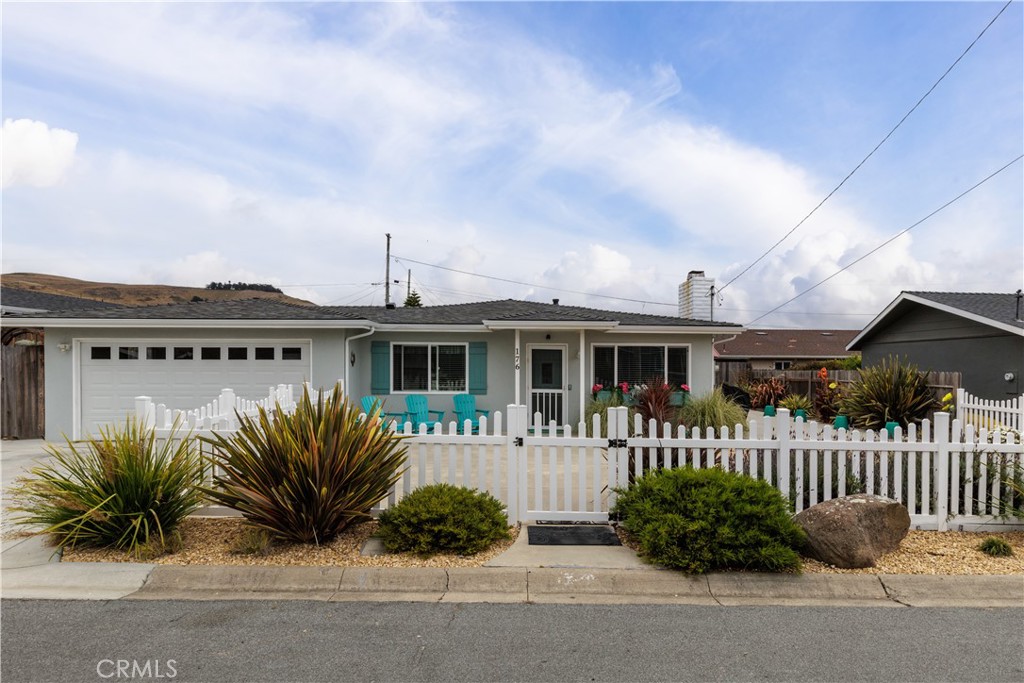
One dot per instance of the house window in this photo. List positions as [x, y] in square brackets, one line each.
[783, 364]
[638, 364]
[429, 367]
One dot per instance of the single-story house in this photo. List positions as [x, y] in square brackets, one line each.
[547, 356]
[779, 349]
[979, 335]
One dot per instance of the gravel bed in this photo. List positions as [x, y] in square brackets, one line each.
[210, 541]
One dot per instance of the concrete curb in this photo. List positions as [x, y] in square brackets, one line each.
[504, 585]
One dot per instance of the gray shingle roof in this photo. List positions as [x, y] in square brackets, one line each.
[456, 314]
[42, 301]
[1000, 307]
[816, 344]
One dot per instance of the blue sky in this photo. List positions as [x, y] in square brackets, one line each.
[606, 148]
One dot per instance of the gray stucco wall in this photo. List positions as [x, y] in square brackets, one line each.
[501, 386]
[935, 340]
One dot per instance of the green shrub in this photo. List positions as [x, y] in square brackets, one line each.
[795, 402]
[713, 409]
[996, 547]
[122, 490]
[767, 392]
[252, 541]
[889, 392]
[707, 520]
[306, 476]
[442, 518]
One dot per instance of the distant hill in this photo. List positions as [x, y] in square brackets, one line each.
[132, 295]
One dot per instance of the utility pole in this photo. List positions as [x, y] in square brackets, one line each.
[387, 274]
[408, 284]
[712, 295]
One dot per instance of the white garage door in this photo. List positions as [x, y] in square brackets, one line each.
[181, 374]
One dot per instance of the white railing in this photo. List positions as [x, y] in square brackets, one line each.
[980, 412]
[946, 474]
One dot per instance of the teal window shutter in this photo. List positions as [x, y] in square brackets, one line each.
[380, 367]
[478, 367]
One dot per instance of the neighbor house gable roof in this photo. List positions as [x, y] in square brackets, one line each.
[488, 314]
[809, 344]
[997, 310]
[17, 300]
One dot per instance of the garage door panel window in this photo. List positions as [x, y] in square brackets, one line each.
[291, 353]
[438, 368]
[128, 353]
[264, 353]
[637, 364]
[238, 353]
[156, 353]
[100, 353]
[183, 353]
[210, 353]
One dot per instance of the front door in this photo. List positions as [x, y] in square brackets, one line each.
[547, 383]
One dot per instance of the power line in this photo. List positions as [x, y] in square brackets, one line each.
[870, 154]
[891, 239]
[403, 259]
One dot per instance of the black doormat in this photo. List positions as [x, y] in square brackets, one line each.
[577, 534]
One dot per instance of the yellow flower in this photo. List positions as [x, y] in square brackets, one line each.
[947, 398]
[832, 385]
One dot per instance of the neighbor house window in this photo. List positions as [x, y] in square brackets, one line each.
[429, 367]
[638, 364]
[783, 364]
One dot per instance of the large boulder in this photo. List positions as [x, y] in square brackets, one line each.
[854, 531]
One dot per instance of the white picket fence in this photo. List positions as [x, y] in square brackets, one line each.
[220, 414]
[949, 476]
[980, 412]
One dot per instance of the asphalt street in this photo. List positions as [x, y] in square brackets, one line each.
[393, 641]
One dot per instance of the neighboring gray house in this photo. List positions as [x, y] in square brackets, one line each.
[980, 336]
[546, 356]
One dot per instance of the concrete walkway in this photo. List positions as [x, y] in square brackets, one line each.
[536, 574]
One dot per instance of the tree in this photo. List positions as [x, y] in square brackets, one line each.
[413, 300]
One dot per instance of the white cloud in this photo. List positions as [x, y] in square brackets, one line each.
[34, 154]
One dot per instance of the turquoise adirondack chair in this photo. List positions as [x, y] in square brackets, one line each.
[371, 403]
[417, 412]
[465, 409]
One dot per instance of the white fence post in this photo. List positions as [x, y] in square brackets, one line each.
[145, 411]
[782, 434]
[516, 457]
[621, 436]
[940, 471]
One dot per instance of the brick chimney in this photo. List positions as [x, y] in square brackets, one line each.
[695, 296]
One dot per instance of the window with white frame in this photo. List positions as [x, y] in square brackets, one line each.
[429, 367]
[783, 364]
[640, 363]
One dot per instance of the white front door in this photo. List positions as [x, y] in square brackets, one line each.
[547, 383]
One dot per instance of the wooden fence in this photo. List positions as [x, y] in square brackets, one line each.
[949, 475]
[22, 397]
[980, 412]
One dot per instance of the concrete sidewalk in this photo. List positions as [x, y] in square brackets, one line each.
[31, 570]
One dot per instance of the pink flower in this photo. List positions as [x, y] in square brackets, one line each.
[597, 387]
[684, 387]
[624, 386]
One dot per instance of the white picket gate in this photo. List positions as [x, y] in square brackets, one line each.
[991, 414]
[948, 475]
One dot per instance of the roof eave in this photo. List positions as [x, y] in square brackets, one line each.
[676, 329]
[180, 323]
[549, 325]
